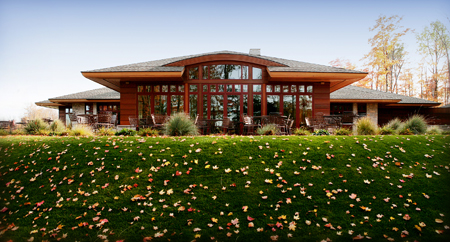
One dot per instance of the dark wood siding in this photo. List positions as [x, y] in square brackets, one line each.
[128, 101]
[321, 98]
[62, 114]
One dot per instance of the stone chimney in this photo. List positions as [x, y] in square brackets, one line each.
[255, 52]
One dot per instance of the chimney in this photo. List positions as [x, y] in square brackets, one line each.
[255, 52]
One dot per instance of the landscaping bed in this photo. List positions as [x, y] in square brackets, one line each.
[225, 188]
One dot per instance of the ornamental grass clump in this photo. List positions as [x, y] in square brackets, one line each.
[81, 130]
[365, 126]
[342, 131]
[416, 124]
[57, 126]
[302, 131]
[180, 124]
[103, 131]
[434, 130]
[148, 132]
[36, 126]
[386, 130]
[268, 129]
[395, 124]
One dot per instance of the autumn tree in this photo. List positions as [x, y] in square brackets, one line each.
[347, 64]
[433, 44]
[387, 56]
[33, 112]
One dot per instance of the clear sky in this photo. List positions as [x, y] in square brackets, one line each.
[44, 45]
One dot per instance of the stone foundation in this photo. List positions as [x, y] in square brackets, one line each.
[372, 112]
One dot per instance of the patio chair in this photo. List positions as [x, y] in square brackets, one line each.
[73, 117]
[249, 125]
[134, 121]
[347, 118]
[114, 120]
[281, 124]
[227, 125]
[82, 119]
[159, 120]
[104, 120]
[289, 124]
[203, 126]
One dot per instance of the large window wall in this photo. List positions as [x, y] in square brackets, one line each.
[160, 99]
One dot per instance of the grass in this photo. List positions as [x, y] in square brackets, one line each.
[65, 187]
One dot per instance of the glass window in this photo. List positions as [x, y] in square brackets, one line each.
[193, 73]
[193, 88]
[205, 72]
[140, 88]
[148, 88]
[289, 106]
[217, 71]
[89, 109]
[193, 105]
[221, 88]
[205, 88]
[245, 88]
[205, 106]
[237, 88]
[256, 105]
[256, 88]
[273, 104]
[245, 104]
[277, 88]
[233, 107]
[157, 88]
[144, 107]
[229, 88]
[216, 107]
[165, 88]
[309, 89]
[293, 88]
[257, 73]
[160, 104]
[269, 88]
[301, 88]
[244, 72]
[180, 88]
[173, 88]
[305, 106]
[212, 88]
[285, 88]
[233, 72]
[177, 103]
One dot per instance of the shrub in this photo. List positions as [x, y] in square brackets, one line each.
[365, 126]
[105, 131]
[148, 132]
[18, 132]
[394, 124]
[386, 130]
[126, 132]
[3, 132]
[302, 131]
[343, 131]
[434, 130]
[405, 131]
[321, 132]
[416, 124]
[81, 130]
[35, 126]
[268, 129]
[180, 124]
[57, 126]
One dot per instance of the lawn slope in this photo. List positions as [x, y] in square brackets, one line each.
[225, 188]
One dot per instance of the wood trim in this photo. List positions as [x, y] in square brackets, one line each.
[133, 74]
[49, 104]
[364, 100]
[225, 57]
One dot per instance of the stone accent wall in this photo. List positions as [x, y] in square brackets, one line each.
[94, 106]
[78, 108]
[372, 112]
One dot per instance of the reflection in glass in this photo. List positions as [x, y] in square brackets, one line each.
[269, 88]
[257, 73]
[180, 88]
[245, 88]
[256, 105]
[233, 107]
[144, 107]
[193, 105]
[285, 88]
[216, 107]
[157, 88]
[225, 72]
[237, 88]
[245, 104]
[217, 71]
[309, 89]
[160, 104]
[148, 88]
[221, 88]
[205, 106]
[140, 88]
[305, 105]
[301, 88]
[173, 88]
[256, 88]
[289, 106]
[277, 88]
[205, 72]
[273, 104]
[165, 88]
[193, 73]
[293, 88]
[205, 88]
[212, 88]
[229, 88]
[177, 103]
[193, 87]
[244, 72]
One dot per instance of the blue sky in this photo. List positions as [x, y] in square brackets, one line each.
[45, 44]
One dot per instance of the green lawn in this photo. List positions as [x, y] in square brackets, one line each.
[290, 188]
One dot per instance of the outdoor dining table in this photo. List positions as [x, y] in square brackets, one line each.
[89, 119]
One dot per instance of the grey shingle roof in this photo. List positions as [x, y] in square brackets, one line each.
[100, 93]
[353, 92]
[160, 65]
